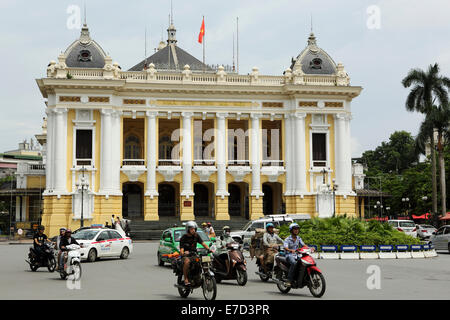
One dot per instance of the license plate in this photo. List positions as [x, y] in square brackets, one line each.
[206, 259]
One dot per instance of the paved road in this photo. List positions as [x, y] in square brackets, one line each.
[140, 278]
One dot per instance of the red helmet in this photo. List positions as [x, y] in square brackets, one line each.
[209, 223]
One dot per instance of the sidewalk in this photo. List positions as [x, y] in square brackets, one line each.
[15, 241]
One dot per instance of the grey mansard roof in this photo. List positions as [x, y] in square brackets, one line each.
[164, 59]
[314, 60]
[85, 52]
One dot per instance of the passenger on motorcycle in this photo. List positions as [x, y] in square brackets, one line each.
[188, 245]
[270, 241]
[291, 244]
[221, 244]
[58, 242]
[65, 241]
[38, 241]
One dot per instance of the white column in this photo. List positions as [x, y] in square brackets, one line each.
[106, 152]
[343, 157]
[60, 152]
[288, 154]
[187, 154]
[300, 153]
[116, 151]
[49, 151]
[221, 135]
[151, 154]
[256, 156]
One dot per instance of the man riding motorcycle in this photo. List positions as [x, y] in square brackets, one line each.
[270, 242]
[58, 242]
[38, 241]
[65, 241]
[188, 245]
[291, 244]
[221, 244]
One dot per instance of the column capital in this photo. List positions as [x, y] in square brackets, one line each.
[299, 115]
[341, 116]
[256, 116]
[151, 114]
[60, 110]
[187, 114]
[107, 112]
[221, 115]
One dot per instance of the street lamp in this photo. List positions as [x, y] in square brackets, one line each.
[407, 205]
[379, 205]
[82, 185]
[334, 188]
[387, 211]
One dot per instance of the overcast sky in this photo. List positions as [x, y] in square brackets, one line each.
[377, 53]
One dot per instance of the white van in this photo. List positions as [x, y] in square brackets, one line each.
[406, 226]
[248, 231]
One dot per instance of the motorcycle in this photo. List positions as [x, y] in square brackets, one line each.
[238, 265]
[306, 273]
[263, 275]
[200, 275]
[45, 259]
[73, 265]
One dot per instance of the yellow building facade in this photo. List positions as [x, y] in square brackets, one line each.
[173, 138]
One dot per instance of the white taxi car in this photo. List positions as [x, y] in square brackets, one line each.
[102, 242]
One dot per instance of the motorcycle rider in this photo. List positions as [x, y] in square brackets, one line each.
[188, 245]
[270, 242]
[58, 242]
[38, 241]
[65, 241]
[291, 244]
[221, 243]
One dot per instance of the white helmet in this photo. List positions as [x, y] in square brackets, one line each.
[190, 224]
[293, 225]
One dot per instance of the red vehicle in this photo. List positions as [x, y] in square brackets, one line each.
[306, 273]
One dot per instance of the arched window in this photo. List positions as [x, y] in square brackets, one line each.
[132, 148]
[165, 148]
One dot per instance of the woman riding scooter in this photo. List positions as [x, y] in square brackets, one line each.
[221, 244]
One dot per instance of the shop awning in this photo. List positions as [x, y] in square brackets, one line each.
[446, 217]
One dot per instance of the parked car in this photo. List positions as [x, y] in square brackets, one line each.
[243, 236]
[406, 226]
[98, 242]
[170, 243]
[424, 231]
[441, 238]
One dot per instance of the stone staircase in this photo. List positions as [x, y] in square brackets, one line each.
[152, 230]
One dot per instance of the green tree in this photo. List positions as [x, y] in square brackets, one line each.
[428, 89]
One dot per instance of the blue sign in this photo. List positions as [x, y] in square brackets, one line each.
[385, 247]
[402, 247]
[348, 248]
[416, 247]
[327, 248]
[426, 247]
[367, 248]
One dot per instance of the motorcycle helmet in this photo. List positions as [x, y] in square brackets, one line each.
[209, 224]
[226, 230]
[68, 231]
[293, 225]
[62, 229]
[269, 225]
[204, 224]
[190, 224]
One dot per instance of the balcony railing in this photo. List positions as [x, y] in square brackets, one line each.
[272, 163]
[133, 162]
[204, 162]
[169, 162]
[28, 168]
[235, 163]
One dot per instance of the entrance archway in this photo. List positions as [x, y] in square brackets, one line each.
[202, 205]
[272, 199]
[167, 200]
[238, 202]
[132, 201]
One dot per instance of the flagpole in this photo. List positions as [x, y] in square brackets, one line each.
[203, 42]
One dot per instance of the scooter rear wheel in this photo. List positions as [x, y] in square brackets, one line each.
[280, 285]
[33, 267]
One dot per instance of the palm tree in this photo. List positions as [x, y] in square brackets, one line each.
[428, 88]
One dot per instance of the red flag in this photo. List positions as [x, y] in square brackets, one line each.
[202, 31]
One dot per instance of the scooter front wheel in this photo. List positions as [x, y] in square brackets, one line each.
[241, 277]
[183, 292]
[316, 284]
[209, 287]
[76, 271]
[51, 264]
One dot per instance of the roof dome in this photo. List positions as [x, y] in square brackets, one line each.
[85, 52]
[314, 60]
